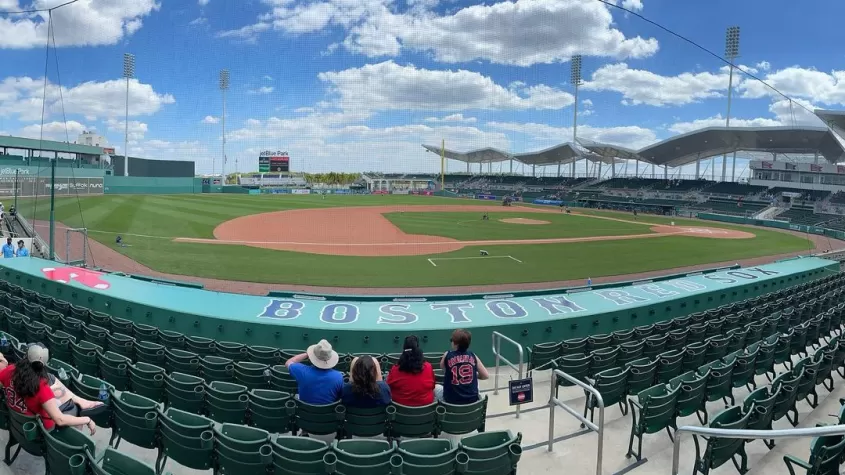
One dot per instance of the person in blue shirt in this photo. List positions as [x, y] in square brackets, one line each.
[318, 383]
[8, 249]
[22, 250]
[365, 388]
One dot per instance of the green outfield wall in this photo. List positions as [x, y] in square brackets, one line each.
[771, 223]
[365, 324]
[133, 185]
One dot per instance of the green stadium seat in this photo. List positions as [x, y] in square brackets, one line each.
[120, 325]
[603, 359]
[273, 411]
[654, 345]
[252, 375]
[186, 438]
[150, 353]
[761, 403]
[765, 362]
[720, 450]
[281, 379]
[35, 331]
[419, 421]
[51, 318]
[79, 313]
[669, 365]
[676, 340]
[59, 344]
[612, 385]
[718, 382]
[644, 331]
[72, 327]
[369, 422]
[170, 339]
[96, 335]
[621, 337]
[428, 457]
[786, 386]
[181, 361]
[692, 387]
[99, 319]
[216, 368]
[807, 385]
[744, 365]
[574, 346]
[599, 342]
[325, 419]
[122, 344]
[135, 420]
[114, 369]
[798, 341]
[300, 456]
[232, 351]
[577, 366]
[629, 352]
[85, 357]
[23, 434]
[112, 462]
[147, 380]
[540, 356]
[241, 449]
[201, 346]
[89, 387]
[463, 419]
[185, 392]
[657, 407]
[226, 402]
[62, 443]
[825, 457]
[695, 356]
[366, 457]
[147, 333]
[491, 453]
[265, 355]
[642, 375]
[55, 367]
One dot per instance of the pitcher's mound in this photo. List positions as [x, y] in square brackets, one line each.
[523, 221]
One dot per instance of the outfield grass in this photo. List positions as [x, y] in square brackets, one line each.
[465, 226]
[148, 224]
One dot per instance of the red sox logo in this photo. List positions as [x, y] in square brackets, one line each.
[88, 278]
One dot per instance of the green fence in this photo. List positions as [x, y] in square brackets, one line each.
[770, 223]
[132, 185]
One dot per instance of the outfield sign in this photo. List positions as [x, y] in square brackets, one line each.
[520, 391]
[270, 161]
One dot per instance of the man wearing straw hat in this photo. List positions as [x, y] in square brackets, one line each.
[319, 382]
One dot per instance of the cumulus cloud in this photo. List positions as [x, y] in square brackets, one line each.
[521, 32]
[640, 86]
[451, 118]
[261, 90]
[719, 121]
[203, 3]
[22, 97]
[545, 135]
[137, 130]
[209, 119]
[85, 23]
[58, 131]
[802, 83]
[387, 85]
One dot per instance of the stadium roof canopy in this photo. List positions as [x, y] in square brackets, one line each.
[609, 150]
[711, 141]
[21, 143]
[482, 155]
[834, 119]
[563, 153]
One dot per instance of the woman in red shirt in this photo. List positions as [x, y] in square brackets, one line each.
[411, 381]
[28, 390]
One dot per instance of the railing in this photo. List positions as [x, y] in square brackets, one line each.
[29, 228]
[749, 434]
[598, 428]
[497, 350]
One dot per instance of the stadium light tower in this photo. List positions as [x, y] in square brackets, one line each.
[731, 53]
[575, 78]
[224, 84]
[128, 73]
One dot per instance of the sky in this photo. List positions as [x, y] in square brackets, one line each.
[359, 85]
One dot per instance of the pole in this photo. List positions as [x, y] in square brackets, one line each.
[16, 188]
[574, 125]
[125, 140]
[443, 164]
[733, 169]
[223, 123]
[53, 209]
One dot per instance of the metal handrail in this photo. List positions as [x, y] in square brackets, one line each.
[497, 350]
[749, 434]
[598, 428]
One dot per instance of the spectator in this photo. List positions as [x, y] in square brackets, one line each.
[28, 391]
[8, 249]
[365, 388]
[319, 383]
[22, 250]
[412, 380]
[463, 370]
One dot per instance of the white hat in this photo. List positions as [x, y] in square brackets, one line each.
[37, 352]
[322, 355]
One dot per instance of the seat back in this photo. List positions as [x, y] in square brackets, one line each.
[187, 438]
[493, 453]
[273, 411]
[226, 402]
[241, 449]
[428, 456]
[135, 419]
[113, 462]
[299, 456]
[463, 419]
[61, 444]
[659, 404]
[720, 450]
[319, 419]
[365, 457]
[23, 430]
[367, 422]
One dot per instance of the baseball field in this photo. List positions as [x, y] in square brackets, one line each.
[390, 241]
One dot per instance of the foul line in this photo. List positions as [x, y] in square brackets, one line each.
[431, 260]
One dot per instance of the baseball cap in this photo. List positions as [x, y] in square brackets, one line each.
[37, 352]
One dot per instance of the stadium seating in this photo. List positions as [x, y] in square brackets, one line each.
[809, 195]
[801, 215]
[733, 207]
[732, 188]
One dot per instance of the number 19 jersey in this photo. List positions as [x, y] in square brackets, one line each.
[460, 383]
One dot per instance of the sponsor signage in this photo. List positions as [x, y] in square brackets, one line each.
[548, 202]
[269, 161]
[485, 197]
[521, 391]
[108, 150]
[14, 171]
[300, 191]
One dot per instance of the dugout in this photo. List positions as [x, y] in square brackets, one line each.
[629, 205]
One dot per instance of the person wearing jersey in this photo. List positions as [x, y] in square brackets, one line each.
[462, 370]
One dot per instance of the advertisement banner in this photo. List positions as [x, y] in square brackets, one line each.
[270, 161]
[548, 202]
[380, 192]
[343, 192]
[301, 191]
[485, 197]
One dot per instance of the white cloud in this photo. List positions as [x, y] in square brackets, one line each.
[59, 131]
[387, 85]
[537, 31]
[587, 103]
[640, 86]
[137, 129]
[763, 66]
[545, 135]
[451, 118]
[199, 21]
[209, 119]
[22, 97]
[802, 83]
[261, 90]
[633, 5]
[85, 23]
[203, 3]
[268, 78]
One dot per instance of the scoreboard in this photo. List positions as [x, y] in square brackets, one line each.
[269, 161]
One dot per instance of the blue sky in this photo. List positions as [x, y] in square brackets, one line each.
[354, 85]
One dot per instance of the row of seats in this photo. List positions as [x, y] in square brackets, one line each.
[199, 443]
[801, 215]
[768, 404]
[826, 453]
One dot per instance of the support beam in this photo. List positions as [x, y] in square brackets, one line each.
[572, 168]
[599, 175]
[636, 168]
[733, 169]
[666, 172]
[697, 168]
[613, 169]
